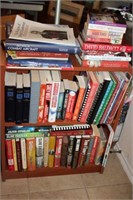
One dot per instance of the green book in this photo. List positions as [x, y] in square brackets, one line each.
[105, 100]
[26, 135]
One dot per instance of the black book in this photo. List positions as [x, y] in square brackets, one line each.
[26, 97]
[76, 151]
[10, 94]
[19, 99]
[104, 88]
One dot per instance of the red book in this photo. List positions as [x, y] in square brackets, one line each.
[19, 155]
[94, 87]
[58, 148]
[9, 154]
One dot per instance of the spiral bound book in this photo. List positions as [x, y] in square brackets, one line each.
[71, 127]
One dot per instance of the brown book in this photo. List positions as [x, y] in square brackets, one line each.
[64, 151]
[76, 151]
[18, 152]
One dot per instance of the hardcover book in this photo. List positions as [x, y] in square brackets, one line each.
[70, 150]
[9, 154]
[19, 154]
[64, 151]
[58, 150]
[30, 148]
[76, 151]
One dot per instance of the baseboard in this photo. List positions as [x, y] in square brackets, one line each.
[125, 164]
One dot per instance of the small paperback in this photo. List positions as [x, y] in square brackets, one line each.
[24, 29]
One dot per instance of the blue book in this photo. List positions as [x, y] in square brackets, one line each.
[38, 63]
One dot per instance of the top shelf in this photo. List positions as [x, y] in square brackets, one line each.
[76, 65]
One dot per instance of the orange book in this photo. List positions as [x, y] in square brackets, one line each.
[30, 146]
[82, 83]
[9, 154]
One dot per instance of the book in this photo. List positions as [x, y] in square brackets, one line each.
[51, 154]
[72, 97]
[30, 150]
[56, 79]
[105, 100]
[46, 150]
[19, 99]
[82, 84]
[35, 93]
[83, 150]
[37, 55]
[24, 29]
[64, 151]
[26, 97]
[39, 150]
[95, 144]
[60, 101]
[14, 154]
[103, 47]
[58, 150]
[70, 127]
[70, 150]
[38, 63]
[43, 82]
[24, 135]
[10, 93]
[23, 153]
[19, 154]
[9, 155]
[94, 84]
[90, 145]
[76, 151]
[102, 93]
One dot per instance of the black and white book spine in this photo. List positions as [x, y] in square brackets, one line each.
[39, 151]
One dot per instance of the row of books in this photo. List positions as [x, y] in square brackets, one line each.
[101, 41]
[71, 149]
[44, 96]
[48, 47]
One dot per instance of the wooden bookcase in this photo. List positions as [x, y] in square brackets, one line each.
[46, 171]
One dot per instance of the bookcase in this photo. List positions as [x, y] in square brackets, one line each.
[47, 171]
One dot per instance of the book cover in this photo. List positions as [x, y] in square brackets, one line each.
[10, 93]
[82, 84]
[35, 93]
[64, 151]
[70, 150]
[60, 101]
[9, 154]
[24, 29]
[43, 82]
[56, 79]
[19, 99]
[39, 150]
[19, 154]
[46, 150]
[26, 97]
[23, 153]
[30, 149]
[94, 84]
[76, 152]
[14, 154]
[58, 150]
[51, 155]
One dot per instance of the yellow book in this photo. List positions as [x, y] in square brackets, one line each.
[51, 151]
[14, 155]
[31, 162]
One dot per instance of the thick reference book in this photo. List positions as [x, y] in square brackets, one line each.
[26, 96]
[10, 93]
[19, 99]
[35, 94]
[24, 29]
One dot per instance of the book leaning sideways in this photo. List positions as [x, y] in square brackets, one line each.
[24, 29]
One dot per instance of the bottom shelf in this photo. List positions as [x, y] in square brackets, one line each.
[39, 172]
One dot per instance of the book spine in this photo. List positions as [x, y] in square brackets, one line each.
[60, 105]
[14, 155]
[19, 154]
[53, 102]
[64, 151]
[58, 151]
[70, 105]
[78, 104]
[41, 102]
[19, 105]
[106, 57]
[100, 152]
[23, 153]
[52, 140]
[39, 149]
[107, 23]
[47, 101]
[70, 151]
[24, 135]
[107, 28]
[90, 145]
[104, 63]
[46, 150]
[102, 34]
[65, 104]
[9, 154]
[30, 146]
[76, 152]
[94, 149]
[26, 104]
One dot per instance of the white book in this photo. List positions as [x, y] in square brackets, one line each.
[28, 30]
[23, 153]
[46, 149]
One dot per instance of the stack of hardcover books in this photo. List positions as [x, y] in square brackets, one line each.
[32, 44]
[101, 41]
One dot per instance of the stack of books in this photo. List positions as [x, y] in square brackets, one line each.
[36, 45]
[101, 41]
